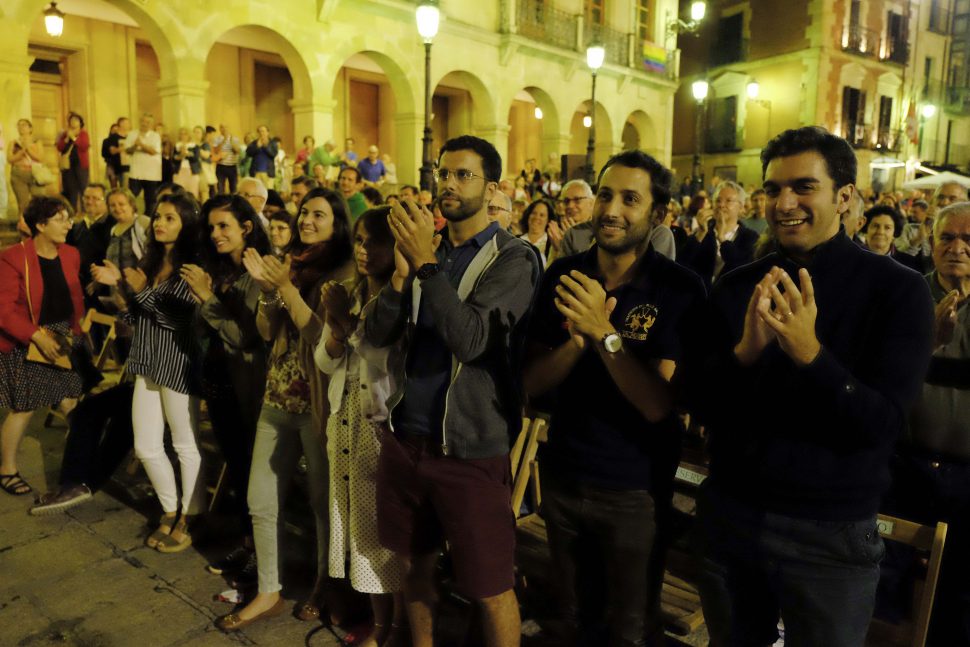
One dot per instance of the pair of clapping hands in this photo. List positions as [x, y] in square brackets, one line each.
[415, 238]
[781, 311]
[198, 280]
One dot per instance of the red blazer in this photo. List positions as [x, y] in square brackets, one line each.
[16, 325]
[82, 143]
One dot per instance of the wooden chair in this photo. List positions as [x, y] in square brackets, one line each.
[928, 542]
[523, 456]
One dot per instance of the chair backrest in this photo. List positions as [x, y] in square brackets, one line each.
[91, 318]
[523, 456]
[928, 540]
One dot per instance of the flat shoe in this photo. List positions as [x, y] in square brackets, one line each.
[232, 622]
[167, 520]
[170, 544]
[307, 612]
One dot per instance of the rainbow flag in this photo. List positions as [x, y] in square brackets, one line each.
[654, 58]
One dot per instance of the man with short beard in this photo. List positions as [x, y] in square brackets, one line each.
[606, 338]
[459, 307]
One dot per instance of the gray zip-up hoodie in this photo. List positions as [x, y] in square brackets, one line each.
[482, 323]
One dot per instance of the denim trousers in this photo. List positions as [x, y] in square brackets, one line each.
[819, 576]
[281, 438]
[927, 489]
[601, 541]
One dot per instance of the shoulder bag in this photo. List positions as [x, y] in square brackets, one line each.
[33, 351]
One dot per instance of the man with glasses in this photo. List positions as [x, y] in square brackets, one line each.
[459, 302]
[948, 193]
[720, 248]
[500, 210]
[256, 194]
[576, 199]
[90, 234]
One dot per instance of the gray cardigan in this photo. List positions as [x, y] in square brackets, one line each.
[483, 324]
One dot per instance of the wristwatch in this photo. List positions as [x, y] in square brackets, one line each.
[612, 342]
[427, 270]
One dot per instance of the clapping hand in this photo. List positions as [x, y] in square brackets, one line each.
[757, 334]
[254, 264]
[586, 307]
[793, 317]
[136, 279]
[946, 318]
[555, 234]
[414, 233]
[107, 274]
[198, 280]
[335, 299]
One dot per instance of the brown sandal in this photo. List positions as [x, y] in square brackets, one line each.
[166, 521]
[179, 539]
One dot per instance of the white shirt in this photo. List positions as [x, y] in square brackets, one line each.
[145, 166]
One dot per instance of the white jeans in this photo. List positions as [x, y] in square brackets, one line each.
[151, 407]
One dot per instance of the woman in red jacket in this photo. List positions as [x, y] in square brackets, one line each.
[40, 302]
[73, 145]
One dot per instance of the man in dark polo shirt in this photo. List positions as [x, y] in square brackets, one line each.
[460, 311]
[807, 362]
[605, 338]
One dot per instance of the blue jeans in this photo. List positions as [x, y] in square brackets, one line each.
[602, 543]
[819, 576]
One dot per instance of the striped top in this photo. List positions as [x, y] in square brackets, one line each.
[224, 145]
[164, 348]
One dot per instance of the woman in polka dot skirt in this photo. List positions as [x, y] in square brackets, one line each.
[360, 382]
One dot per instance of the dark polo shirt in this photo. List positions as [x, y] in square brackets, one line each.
[596, 436]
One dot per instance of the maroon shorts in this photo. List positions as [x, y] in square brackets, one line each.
[424, 498]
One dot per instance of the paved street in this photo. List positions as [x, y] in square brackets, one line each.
[85, 578]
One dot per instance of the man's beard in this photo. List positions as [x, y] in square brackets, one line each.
[467, 207]
[634, 238]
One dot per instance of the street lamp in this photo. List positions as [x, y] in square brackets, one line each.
[427, 16]
[54, 20]
[927, 112]
[697, 12]
[754, 90]
[699, 90]
[595, 54]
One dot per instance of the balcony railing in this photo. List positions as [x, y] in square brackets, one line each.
[939, 20]
[616, 43]
[859, 40]
[958, 100]
[537, 20]
[896, 51]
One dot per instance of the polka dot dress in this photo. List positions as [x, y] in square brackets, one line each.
[26, 386]
[353, 447]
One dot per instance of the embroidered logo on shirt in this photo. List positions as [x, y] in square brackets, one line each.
[639, 321]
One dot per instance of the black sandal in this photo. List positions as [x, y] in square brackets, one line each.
[14, 485]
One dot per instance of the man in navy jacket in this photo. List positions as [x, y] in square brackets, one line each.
[807, 363]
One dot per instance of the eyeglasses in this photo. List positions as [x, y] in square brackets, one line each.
[464, 176]
[568, 201]
[494, 210]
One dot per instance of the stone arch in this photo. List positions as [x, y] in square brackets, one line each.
[482, 114]
[579, 134]
[529, 136]
[639, 131]
[165, 39]
[388, 61]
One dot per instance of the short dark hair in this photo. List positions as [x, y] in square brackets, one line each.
[352, 169]
[41, 209]
[840, 160]
[308, 182]
[922, 204]
[170, 188]
[415, 190]
[274, 199]
[661, 179]
[209, 129]
[758, 191]
[372, 195]
[97, 185]
[550, 211]
[74, 114]
[491, 160]
[886, 210]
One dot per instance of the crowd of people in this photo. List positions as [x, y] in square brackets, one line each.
[817, 334]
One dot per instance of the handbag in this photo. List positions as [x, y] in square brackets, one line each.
[41, 174]
[64, 162]
[33, 350]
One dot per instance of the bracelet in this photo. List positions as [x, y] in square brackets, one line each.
[275, 302]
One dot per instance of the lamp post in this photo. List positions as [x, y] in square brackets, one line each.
[595, 54]
[427, 16]
[699, 90]
[753, 89]
[928, 111]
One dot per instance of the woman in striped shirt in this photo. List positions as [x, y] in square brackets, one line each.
[163, 359]
[295, 406]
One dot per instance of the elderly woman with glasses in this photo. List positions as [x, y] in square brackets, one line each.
[41, 305]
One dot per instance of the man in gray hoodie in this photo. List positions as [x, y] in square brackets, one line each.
[461, 301]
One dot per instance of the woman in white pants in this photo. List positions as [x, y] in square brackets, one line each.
[164, 360]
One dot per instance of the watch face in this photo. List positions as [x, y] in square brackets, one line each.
[612, 342]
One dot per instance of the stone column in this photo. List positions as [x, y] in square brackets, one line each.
[183, 103]
[498, 136]
[409, 129]
[313, 117]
